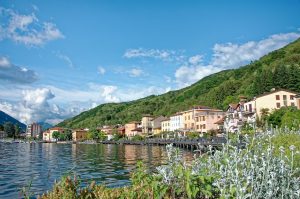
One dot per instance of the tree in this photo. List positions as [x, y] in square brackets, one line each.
[9, 128]
[264, 112]
[56, 135]
[68, 134]
[1, 127]
[62, 136]
[17, 130]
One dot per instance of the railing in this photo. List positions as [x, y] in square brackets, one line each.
[215, 141]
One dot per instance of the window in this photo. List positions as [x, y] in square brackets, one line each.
[219, 116]
[204, 126]
[277, 97]
[291, 97]
[189, 117]
[278, 105]
[192, 124]
[203, 118]
[284, 97]
[292, 104]
[197, 126]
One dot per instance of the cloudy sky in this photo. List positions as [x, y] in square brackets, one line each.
[58, 58]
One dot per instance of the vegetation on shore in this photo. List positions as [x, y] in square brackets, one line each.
[267, 167]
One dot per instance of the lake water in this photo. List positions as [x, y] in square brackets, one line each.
[22, 164]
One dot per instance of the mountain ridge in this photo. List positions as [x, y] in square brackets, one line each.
[277, 69]
[4, 117]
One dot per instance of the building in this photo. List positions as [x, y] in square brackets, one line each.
[3, 134]
[165, 125]
[201, 118]
[297, 98]
[34, 130]
[108, 130]
[136, 131]
[272, 100]
[47, 135]
[121, 130]
[205, 119]
[235, 117]
[79, 135]
[147, 124]
[156, 124]
[131, 126]
[176, 122]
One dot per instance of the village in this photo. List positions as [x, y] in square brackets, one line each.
[198, 119]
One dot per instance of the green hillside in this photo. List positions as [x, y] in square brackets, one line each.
[278, 69]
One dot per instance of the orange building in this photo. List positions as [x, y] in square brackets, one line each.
[79, 135]
[131, 126]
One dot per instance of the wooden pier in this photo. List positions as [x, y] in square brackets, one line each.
[190, 144]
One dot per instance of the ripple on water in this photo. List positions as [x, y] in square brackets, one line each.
[41, 164]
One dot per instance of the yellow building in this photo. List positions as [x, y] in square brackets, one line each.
[147, 124]
[201, 118]
[165, 125]
[272, 100]
[47, 135]
[79, 135]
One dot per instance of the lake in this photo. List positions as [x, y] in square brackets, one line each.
[40, 164]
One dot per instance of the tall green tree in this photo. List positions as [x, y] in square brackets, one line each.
[1, 127]
[56, 135]
[17, 130]
[9, 128]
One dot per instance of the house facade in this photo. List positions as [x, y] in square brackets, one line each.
[79, 135]
[271, 101]
[206, 119]
[176, 122]
[131, 126]
[156, 124]
[165, 125]
[147, 124]
[201, 118]
[47, 135]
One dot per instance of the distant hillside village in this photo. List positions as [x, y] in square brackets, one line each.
[198, 119]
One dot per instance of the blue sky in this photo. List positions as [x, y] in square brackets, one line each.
[58, 58]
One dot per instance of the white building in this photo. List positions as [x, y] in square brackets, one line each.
[176, 122]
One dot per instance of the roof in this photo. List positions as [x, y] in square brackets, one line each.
[298, 96]
[220, 121]
[79, 130]
[137, 129]
[167, 119]
[133, 122]
[234, 106]
[56, 128]
[275, 91]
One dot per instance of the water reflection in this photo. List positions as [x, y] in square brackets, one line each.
[42, 164]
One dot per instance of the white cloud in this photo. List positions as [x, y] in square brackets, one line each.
[15, 74]
[165, 55]
[66, 59]
[4, 62]
[186, 75]
[101, 70]
[135, 72]
[234, 55]
[26, 29]
[196, 59]
[227, 56]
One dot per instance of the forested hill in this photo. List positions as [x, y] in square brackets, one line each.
[7, 118]
[278, 69]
